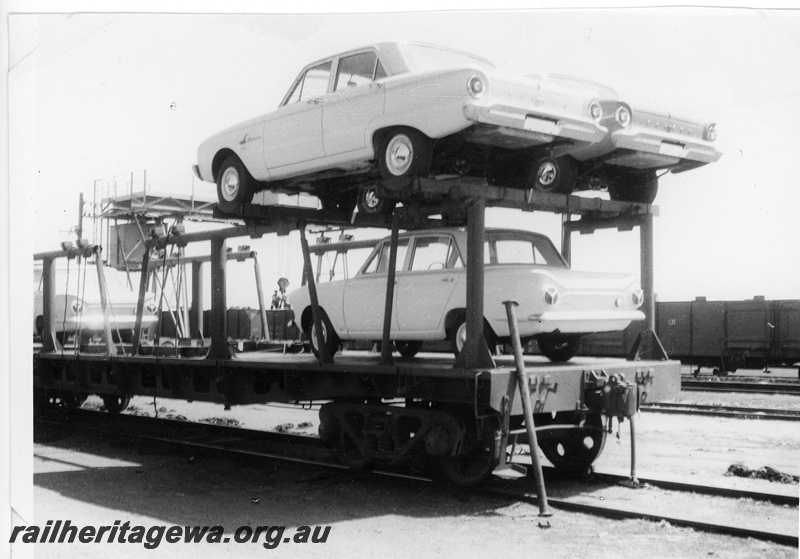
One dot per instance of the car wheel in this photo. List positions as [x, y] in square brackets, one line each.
[553, 175]
[404, 153]
[330, 339]
[639, 187]
[408, 348]
[559, 348]
[234, 185]
[458, 336]
[370, 202]
[115, 404]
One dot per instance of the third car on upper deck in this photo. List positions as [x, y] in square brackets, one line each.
[400, 110]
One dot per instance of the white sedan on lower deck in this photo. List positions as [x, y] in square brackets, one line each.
[557, 305]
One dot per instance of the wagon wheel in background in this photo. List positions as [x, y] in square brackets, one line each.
[408, 348]
[73, 400]
[553, 175]
[633, 186]
[479, 454]
[115, 404]
[235, 186]
[559, 348]
[574, 450]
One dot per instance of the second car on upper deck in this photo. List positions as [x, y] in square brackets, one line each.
[399, 110]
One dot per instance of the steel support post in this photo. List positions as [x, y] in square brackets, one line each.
[219, 301]
[634, 480]
[646, 270]
[527, 408]
[475, 354]
[386, 342]
[324, 355]
[145, 274]
[196, 313]
[260, 292]
[101, 282]
[566, 238]
[49, 341]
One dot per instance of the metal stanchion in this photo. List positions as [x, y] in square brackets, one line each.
[527, 408]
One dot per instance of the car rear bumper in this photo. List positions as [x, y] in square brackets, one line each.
[539, 129]
[645, 149]
[571, 322]
[94, 323]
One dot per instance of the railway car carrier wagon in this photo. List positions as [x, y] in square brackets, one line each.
[380, 409]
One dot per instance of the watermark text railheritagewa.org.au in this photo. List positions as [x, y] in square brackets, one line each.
[270, 537]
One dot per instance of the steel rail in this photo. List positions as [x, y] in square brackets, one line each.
[743, 387]
[507, 490]
[623, 513]
[722, 411]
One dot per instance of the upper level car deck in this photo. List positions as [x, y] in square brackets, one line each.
[448, 197]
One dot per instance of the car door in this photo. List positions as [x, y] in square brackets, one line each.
[293, 133]
[357, 99]
[365, 295]
[424, 291]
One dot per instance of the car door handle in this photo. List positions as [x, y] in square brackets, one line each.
[315, 101]
[448, 280]
[376, 85]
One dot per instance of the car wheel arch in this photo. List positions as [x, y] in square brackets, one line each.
[220, 157]
[454, 316]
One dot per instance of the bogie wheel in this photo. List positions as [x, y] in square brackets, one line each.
[235, 186]
[116, 404]
[404, 153]
[553, 175]
[558, 348]
[330, 339]
[458, 335]
[371, 202]
[572, 451]
[73, 400]
[640, 187]
[408, 348]
[479, 454]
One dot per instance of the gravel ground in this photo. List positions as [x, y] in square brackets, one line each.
[95, 481]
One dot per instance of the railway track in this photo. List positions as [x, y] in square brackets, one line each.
[292, 448]
[723, 411]
[753, 387]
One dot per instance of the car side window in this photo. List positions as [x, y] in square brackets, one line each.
[355, 70]
[314, 83]
[379, 264]
[434, 253]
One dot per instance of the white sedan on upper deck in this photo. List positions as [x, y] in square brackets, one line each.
[557, 305]
[398, 110]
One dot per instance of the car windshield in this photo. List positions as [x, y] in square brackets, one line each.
[422, 58]
[518, 247]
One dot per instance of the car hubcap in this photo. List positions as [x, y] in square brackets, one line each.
[314, 342]
[547, 173]
[371, 199]
[399, 154]
[461, 337]
[230, 184]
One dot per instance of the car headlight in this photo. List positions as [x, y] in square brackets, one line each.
[638, 298]
[595, 110]
[76, 306]
[550, 295]
[151, 307]
[475, 86]
[623, 116]
[710, 133]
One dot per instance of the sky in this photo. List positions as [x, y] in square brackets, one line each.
[100, 95]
